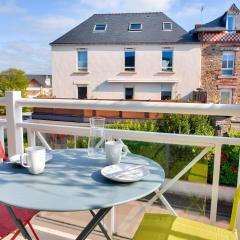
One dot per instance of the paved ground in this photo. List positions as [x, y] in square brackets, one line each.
[65, 226]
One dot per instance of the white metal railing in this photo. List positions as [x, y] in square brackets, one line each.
[14, 124]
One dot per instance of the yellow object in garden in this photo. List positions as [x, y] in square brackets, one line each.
[168, 227]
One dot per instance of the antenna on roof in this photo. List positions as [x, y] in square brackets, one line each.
[202, 9]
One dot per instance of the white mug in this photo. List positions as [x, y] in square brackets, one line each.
[34, 160]
[115, 150]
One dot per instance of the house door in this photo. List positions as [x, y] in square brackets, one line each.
[82, 92]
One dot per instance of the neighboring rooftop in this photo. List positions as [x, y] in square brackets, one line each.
[219, 24]
[117, 30]
[43, 80]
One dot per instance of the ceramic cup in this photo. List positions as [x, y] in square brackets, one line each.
[34, 160]
[115, 150]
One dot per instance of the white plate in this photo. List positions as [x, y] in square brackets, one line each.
[123, 172]
[16, 158]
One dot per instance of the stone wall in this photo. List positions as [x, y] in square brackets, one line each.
[211, 78]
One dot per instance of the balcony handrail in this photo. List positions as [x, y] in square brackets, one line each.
[15, 125]
[167, 138]
[156, 107]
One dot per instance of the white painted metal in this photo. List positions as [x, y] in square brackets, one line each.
[31, 137]
[159, 193]
[159, 107]
[215, 184]
[184, 170]
[14, 124]
[113, 221]
[43, 141]
[166, 204]
[168, 138]
[14, 131]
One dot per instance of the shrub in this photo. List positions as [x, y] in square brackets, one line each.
[229, 163]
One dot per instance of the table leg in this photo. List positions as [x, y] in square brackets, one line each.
[19, 224]
[93, 223]
[103, 229]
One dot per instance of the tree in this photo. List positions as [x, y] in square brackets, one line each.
[13, 80]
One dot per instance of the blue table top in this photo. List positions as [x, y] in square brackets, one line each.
[72, 182]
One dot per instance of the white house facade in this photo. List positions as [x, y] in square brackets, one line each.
[97, 64]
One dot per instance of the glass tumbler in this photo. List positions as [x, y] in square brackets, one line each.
[97, 137]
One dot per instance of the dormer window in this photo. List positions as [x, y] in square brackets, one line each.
[100, 27]
[230, 25]
[135, 27]
[167, 26]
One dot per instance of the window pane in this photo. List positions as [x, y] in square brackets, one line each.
[129, 60]
[167, 26]
[227, 72]
[166, 95]
[167, 60]
[230, 22]
[226, 97]
[128, 93]
[82, 60]
[135, 26]
[100, 27]
[82, 92]
[230, 64]
[224, 64]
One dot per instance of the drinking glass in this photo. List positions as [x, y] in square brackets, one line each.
[97, 137]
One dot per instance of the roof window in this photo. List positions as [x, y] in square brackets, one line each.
[100, 27]
[167, 26]
[135, 27]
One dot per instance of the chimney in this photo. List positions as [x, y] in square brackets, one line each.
[198, 26]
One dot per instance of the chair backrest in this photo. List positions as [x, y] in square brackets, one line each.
[235, 210]
[2, 153]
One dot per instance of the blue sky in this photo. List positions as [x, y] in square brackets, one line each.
[28, 26]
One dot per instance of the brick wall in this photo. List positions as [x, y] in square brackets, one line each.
[211, 77]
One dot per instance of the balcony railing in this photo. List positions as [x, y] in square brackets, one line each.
[15, 125]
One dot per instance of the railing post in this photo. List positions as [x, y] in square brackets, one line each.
[31, 135]
[14, 116]
[215, 184]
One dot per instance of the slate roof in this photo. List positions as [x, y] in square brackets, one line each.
[219, 24]
[40, 79]
[117, 30]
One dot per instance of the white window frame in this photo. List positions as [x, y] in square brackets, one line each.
[227, 90]
[135, 30]
[167, 49]
[228, 53]
[163, 27]
[234, 23]
[81, 69]
[130, 69]
[94, 29]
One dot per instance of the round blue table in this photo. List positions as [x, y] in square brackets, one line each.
[72, 181]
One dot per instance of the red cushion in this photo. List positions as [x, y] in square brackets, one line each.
[7, 225]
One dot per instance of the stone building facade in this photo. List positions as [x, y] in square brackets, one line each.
[220, 57]
[212, 79]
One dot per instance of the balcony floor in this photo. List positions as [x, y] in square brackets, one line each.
[65, 226]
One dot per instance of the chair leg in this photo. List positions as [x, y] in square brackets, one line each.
[33, 231]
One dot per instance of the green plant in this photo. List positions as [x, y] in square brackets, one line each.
[229, 162]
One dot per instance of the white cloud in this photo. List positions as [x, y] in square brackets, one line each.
[26, 56]
[10, 6]
[52, 23]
